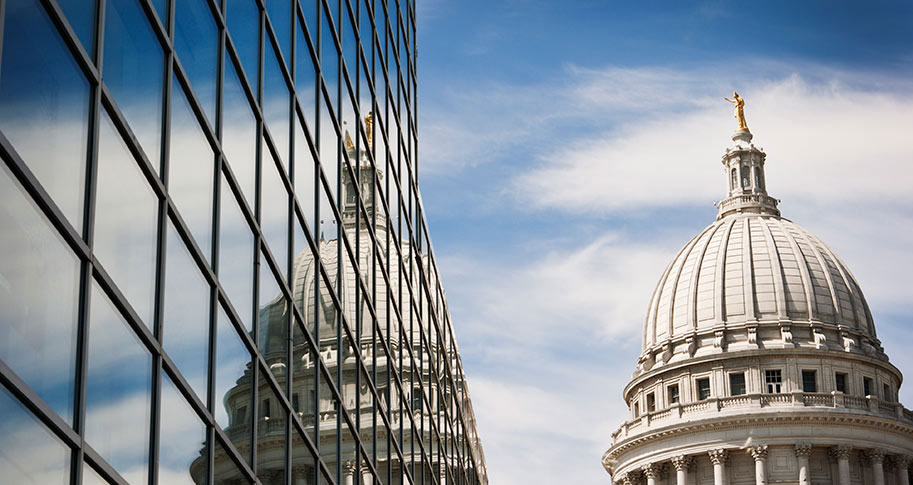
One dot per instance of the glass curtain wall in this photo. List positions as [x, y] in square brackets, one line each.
[214, 262]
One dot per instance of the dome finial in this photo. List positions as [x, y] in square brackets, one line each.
[739, 110]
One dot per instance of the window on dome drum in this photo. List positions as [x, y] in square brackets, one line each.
[746, 177]
[737, 384]
[774, 380]
[636, 409]
[840, 382]
[239, 415]
[808, 381]
[703, 389]
[887, 393]
[735, 180]
[867, 385]
[672, 393]
[651, 402]
[264, 409]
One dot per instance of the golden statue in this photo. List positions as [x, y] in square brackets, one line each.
[369, 123]
[739, 110]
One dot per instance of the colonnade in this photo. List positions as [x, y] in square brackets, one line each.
[878, 459]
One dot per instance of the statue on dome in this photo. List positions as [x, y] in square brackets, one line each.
[739, 110]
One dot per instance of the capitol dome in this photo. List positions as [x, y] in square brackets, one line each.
[760, 362]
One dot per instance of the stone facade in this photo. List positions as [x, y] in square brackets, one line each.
[760, 361]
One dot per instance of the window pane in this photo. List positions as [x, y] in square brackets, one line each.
[81, 16]
[243, 20]
[37, 340]
[134, 67]
[29, 452]
[274, 323]
[90, 476]
[232, 361]
[190, 172]
[185, 329]
[182, 440]
[236, 264]
[239, 132]
[274, 211]
[304, 177]
[279, 11]
[271, 428]
[305, 78]
[125, 221]
[276, 103]
[233, 383]
[196, 42]
[118, 391]
[226, 472]
[44, 105]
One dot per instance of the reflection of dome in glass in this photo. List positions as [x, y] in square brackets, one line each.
[759, 343]
[314, 296]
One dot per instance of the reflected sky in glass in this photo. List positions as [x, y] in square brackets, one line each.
[125, 221]
[243, 19]
[304, 176]
[196, 41]
[190, 170]
[305, 81]
[274, 211]
[37, 339]
[182, 438]
[276, 103]
[236, 256]
[278, 11]
[133, 67]
[81, 15]
[239, 132]
[29, 453]
[185, 329]
[118, 391]
[44, 107]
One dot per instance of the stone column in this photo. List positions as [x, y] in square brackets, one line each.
[302, 474]
[803, 450]
[842, 453]
[651, 472]
[348, 472]
[681, 464]
[902, 465]
[719, 457]
[759, 453]
[876, 458]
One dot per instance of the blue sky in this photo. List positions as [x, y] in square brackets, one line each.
[569, 149]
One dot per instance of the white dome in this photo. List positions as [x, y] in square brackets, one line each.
[748, 268]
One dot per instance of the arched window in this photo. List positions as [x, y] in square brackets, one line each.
[757, 178]
[735, 180]
[746, 177]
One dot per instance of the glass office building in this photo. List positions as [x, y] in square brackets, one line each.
[214, 262]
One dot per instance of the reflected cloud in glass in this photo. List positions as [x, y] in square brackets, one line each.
[118, 391]
[37, 339]
[133, 71]
[236, 259]
[182, 439]
[239, 132]
[125, 221]
[44, 108]
[190, 170]
[29, 453]
[185, 329]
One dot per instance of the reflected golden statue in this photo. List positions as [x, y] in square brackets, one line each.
[369, 123]
[739, 110]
